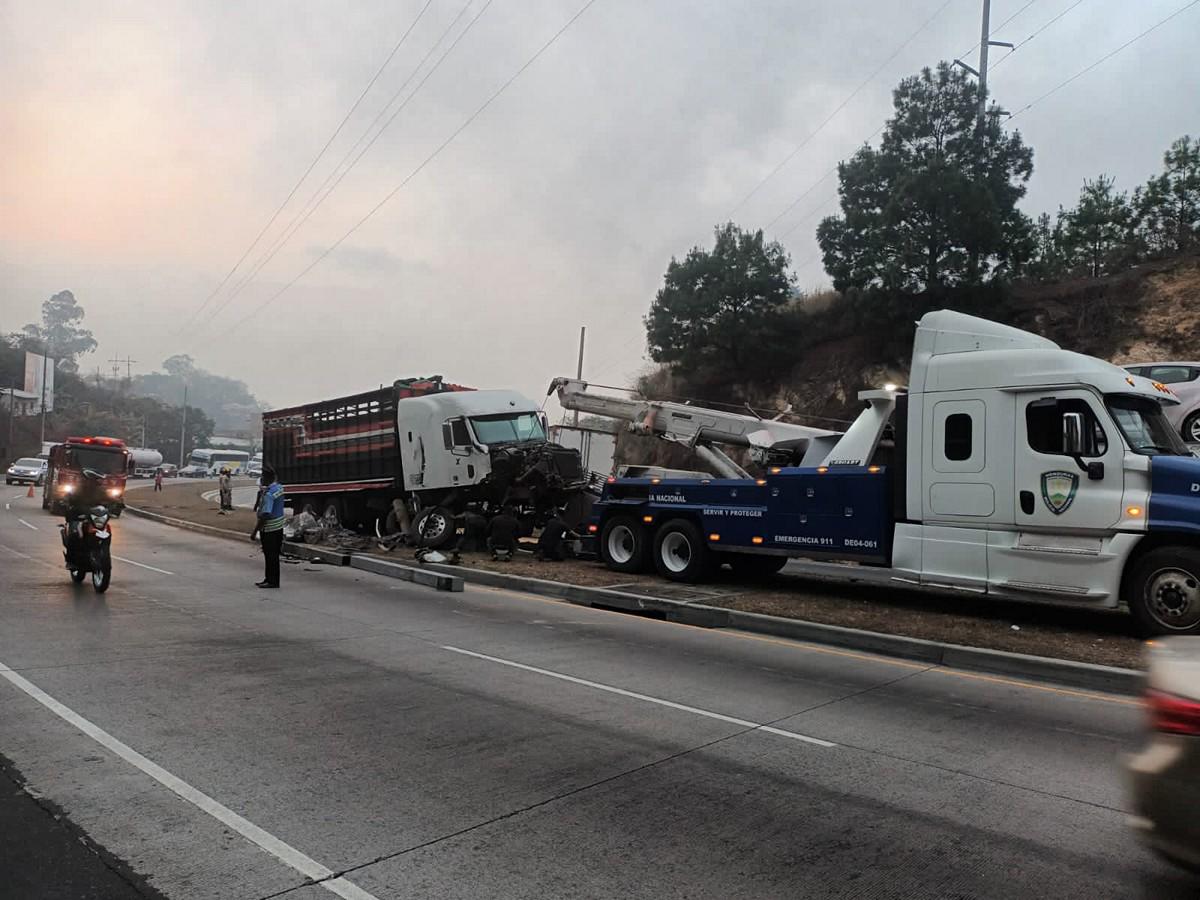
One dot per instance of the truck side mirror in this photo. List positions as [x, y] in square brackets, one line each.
[1072, 436]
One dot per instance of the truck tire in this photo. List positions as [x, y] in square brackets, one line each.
[681, 553]
[1163, 591]
[436, 528]
[624, 544]
[755, 566]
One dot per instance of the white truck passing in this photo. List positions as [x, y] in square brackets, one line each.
[1016, 469]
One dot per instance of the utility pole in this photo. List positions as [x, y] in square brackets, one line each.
[579, 367]
[183, 427]
[12, 402]
[985, 42]
[45, 358]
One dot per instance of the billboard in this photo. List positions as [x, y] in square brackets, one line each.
[35, 366]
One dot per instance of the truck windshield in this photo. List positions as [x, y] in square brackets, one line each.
[106, 462]
[508, 428]
[1145, 427]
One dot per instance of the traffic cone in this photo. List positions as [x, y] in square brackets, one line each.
[30, 494]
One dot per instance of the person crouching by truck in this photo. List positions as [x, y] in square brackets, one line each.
[270, 526]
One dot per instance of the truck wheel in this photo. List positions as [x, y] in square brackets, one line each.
[680, 552]
[1164, 591]
[436, 527]
[755, 566]
[623, 544]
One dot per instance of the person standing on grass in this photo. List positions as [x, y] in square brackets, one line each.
[225, 483]
[158, 479]
[270, 526]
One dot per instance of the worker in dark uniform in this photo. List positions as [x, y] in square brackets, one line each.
[270, 525]
[551, 541]
[503, 533]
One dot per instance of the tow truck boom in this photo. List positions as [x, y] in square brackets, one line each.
[770, 441]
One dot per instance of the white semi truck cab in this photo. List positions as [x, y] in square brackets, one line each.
[1015, 469]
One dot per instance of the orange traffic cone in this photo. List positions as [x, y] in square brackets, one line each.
[30, 494]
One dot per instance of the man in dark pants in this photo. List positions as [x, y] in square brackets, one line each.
[270, 524]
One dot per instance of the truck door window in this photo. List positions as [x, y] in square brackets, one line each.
[459, 433]
[958, 437]
[1044, 426]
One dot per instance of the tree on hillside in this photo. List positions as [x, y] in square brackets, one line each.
[935, 205]
[1094, 234]
[1167, 208]
[226, 400]
[59, 334]
[717, 308]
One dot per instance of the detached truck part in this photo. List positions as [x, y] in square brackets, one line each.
[424, 452]
[1020, 470]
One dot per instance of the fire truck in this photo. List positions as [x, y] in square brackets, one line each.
[86, 472]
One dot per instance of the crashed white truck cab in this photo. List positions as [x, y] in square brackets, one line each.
[1016, 469]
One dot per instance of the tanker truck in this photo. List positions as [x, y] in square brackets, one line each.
[143, 462]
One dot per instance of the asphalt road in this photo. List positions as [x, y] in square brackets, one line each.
[219, 741]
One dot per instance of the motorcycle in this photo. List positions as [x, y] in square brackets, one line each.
[87, 539]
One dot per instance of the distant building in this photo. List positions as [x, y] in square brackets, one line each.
[22, 403]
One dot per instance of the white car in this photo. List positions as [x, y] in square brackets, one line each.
[29, 470]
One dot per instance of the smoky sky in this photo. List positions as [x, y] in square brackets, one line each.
[144, 145]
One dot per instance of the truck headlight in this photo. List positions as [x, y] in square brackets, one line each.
[114, 492]
[66, 488]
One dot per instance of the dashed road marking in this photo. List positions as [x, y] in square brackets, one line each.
[142, 565]
[27, 525]
[284, 852]
[646, 698]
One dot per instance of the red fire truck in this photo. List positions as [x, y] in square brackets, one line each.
[86, 472]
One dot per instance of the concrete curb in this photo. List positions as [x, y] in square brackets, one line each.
[442, 581]
[189, 526]
[1087, 676]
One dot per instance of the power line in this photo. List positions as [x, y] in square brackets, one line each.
[813, 187]
[466, 123]
[839, 108]
[311, 166]
[811, 213]
[1038, 31]
[1105, 58]
[321, 194]
[306, 212]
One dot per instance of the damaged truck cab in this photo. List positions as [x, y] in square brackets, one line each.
[1013, 469]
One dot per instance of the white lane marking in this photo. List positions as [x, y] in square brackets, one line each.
[645, 697]
[142, 565]
[27, 525]
[284, 852]
[14, 552]
[8, 506]
[18, 497]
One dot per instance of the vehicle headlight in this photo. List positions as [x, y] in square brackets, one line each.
[114, 492]
[66, 488]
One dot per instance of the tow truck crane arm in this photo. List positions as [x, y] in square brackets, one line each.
[770, 441]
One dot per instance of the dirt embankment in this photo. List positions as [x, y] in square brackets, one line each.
[1082, 635]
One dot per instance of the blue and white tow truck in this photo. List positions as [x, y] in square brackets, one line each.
[1009, 467]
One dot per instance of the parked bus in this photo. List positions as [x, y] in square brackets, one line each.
[208, 463]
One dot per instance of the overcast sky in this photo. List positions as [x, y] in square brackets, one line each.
[144, 145]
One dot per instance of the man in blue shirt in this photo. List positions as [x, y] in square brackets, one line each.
[270, 525]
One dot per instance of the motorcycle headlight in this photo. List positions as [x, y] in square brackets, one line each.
[99, 517]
